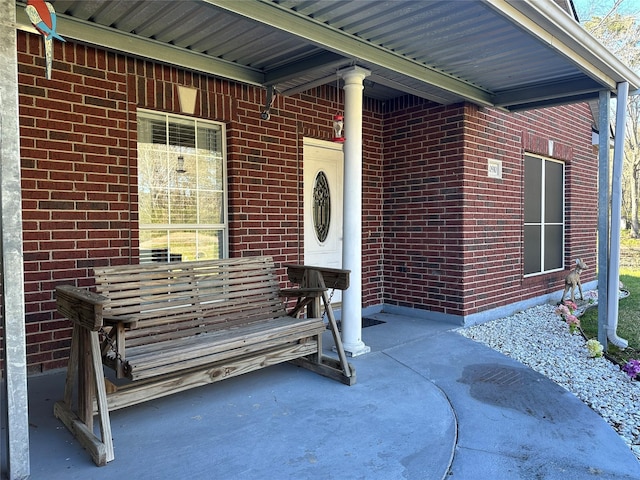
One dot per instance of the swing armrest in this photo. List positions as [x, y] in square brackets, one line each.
[334, 278]
[80, 305]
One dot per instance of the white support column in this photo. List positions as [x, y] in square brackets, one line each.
[352, 228]
[15, 406]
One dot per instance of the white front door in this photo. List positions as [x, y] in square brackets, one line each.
[323, 173]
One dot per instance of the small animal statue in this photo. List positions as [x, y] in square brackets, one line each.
[573, 280]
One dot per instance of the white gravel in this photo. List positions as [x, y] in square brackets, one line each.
[541, 340]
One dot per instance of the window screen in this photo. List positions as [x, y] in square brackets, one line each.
[543, 215]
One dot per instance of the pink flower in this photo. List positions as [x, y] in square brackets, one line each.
[573, 321]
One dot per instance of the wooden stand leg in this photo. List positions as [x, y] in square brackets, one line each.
[72, 367]
[346, 368]
[86, 385]
[103, 409]
[339, 370]
[85, 359]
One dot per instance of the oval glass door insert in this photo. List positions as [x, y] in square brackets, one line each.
[321, 206]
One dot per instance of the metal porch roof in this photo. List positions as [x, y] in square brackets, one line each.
[513, 54]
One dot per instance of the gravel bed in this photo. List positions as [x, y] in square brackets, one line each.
[541, 340]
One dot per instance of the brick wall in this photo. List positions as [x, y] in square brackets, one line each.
[454, 236]
[422, 205]
[78, 148]
[75, 179]
[436, 234]
[372, 228]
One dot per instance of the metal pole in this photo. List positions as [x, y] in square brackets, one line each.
[11, 268]
[603, 214]
[15, 408]
[616, 209]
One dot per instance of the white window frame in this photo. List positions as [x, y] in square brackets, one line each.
[224, 226]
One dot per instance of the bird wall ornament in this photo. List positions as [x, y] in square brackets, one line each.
[43, 17]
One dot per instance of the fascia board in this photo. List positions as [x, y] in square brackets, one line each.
[111, 39]
[553, 26]
[548, 92]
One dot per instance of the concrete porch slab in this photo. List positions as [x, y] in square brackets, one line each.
[429, 404]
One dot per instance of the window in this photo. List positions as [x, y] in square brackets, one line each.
[182, 188]
[543, 215]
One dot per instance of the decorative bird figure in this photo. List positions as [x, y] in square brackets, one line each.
[43, 17]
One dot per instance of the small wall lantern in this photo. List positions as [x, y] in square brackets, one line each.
[338, 128]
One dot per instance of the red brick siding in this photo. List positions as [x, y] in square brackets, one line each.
[423, 206]
[435, 231]
[454, 236]
[372, 228]
[75, 179]
[79, 168]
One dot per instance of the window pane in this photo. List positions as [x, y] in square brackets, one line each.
[210, 173]
[211, 206]
[182, 244]
[182, 133]
[183, 206]
[157, 205]
[209, 138]
[532, 190]
[554, 181]
[532, 249]
[144, 206]
[210, 244]
[152, 166]
[154, 246]
[553, 247]
[150, 239]
[152, 129]
[182, 171]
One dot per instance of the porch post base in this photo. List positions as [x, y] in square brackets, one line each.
[355, 350]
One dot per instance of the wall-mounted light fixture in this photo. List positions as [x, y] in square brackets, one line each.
[271, 98]
[180, 167]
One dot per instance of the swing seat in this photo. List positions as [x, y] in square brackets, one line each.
[164, 328]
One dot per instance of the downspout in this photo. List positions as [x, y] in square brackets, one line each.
[603, 213]
[616, 209]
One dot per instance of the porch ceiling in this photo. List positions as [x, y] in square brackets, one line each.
[513, 54]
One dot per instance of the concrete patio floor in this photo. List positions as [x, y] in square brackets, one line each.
[428, 404]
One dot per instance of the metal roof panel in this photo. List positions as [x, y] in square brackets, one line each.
[437, 49]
